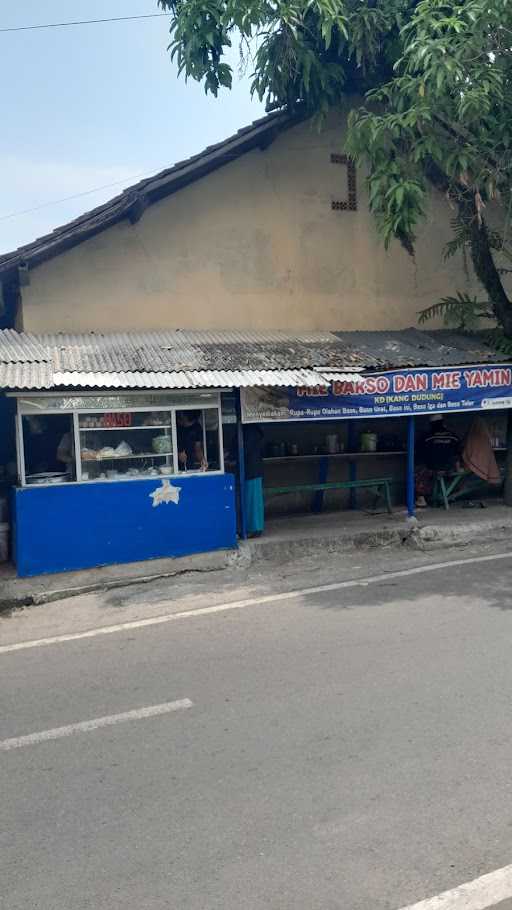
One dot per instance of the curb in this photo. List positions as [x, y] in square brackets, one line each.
[230, 559]
[433, 537]
[409, 533]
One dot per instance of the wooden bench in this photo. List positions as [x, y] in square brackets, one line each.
[380, 484]
[450, 486]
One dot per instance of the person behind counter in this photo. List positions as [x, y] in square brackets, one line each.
[48, 445]
[190, 441]
[66, 451]
[254, 502]
[42, 451]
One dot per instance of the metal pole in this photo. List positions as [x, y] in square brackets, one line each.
[352, 446]
[411, 498]
[507, 489]
[241, 466]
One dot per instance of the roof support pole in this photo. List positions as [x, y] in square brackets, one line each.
[241, 466]
[411, 498]
[352, 447]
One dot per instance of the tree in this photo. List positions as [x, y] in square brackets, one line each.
[435, 81]
[445, 118]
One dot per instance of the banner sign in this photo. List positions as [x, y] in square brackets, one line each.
[393, 394]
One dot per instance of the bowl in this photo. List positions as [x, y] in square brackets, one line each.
[162, 445]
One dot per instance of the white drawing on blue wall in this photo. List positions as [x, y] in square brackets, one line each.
[165, 493]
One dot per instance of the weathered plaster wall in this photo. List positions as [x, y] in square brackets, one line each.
[253, 245]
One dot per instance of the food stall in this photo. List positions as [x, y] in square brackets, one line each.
[111, 476]
[353, 437]
[106, 478]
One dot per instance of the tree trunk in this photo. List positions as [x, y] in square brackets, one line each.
[481, 253]
[508, 463]
[488, 275]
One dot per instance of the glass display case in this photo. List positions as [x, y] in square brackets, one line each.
[95, 437]
[117, 445]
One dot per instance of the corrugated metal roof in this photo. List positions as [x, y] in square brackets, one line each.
[172, 359]
[416, 347]
[195, 379]
[26, 376]
[187, 359]
[187, 350]
[21, 348]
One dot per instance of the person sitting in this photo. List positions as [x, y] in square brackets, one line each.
[438, 450]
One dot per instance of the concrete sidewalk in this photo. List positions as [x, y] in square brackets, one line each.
[334, 532]
[285, 540]
[23, 592]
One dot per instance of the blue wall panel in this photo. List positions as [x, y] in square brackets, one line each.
[77, 526]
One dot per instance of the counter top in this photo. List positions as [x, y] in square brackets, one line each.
[341, 455]
[347, 455]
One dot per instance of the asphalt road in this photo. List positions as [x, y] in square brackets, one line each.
[344, 750]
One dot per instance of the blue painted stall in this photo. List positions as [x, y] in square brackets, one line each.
[79, 526]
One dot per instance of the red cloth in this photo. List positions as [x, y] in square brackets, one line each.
[424, 481]
[478, 455]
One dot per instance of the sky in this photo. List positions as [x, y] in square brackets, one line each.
[91, 105]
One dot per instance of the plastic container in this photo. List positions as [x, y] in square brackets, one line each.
[333, 444]
[368, 442]
[4, 541]
[162, 445]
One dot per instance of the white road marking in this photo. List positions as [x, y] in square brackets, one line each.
[86, 726]
[243, 604]
[483, 892]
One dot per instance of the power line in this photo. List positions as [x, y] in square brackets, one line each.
[106, 186]
[96, 189]
[27, 28]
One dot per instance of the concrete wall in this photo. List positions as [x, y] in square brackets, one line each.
[253, 245]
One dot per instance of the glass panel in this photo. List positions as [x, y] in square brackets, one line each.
[211, 421]
[198, 440]
[118, 445]
[228, 404]
[49, 449]
[120, 421]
